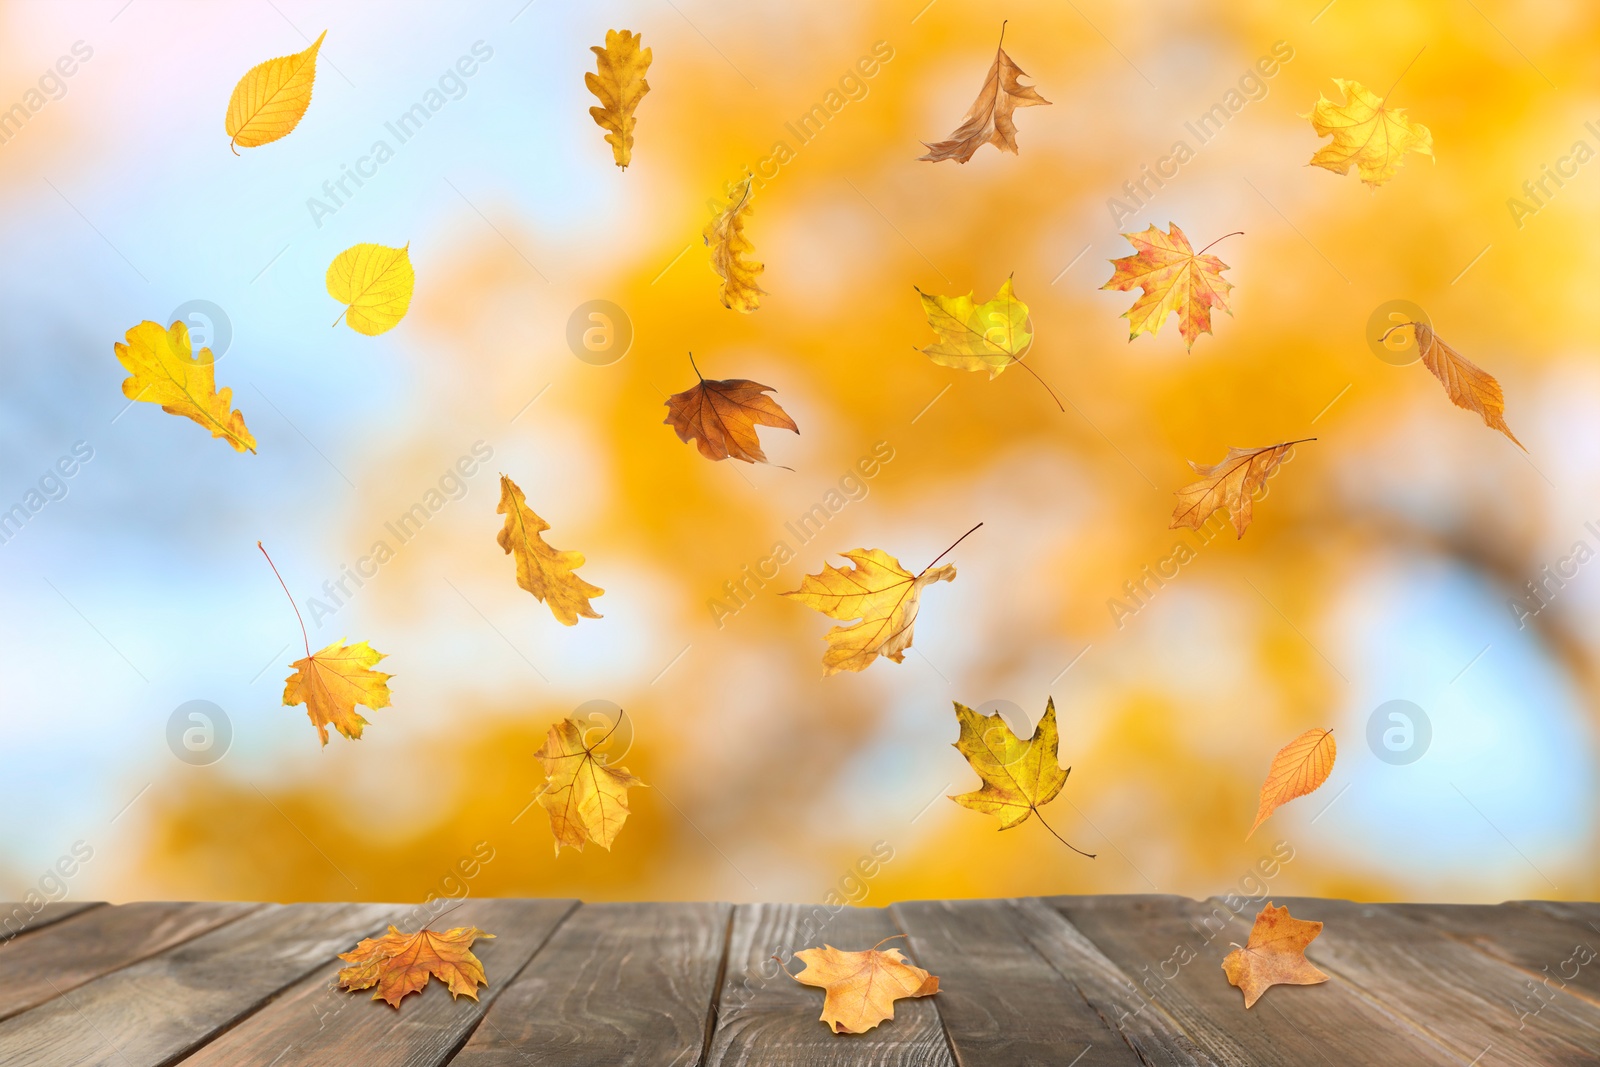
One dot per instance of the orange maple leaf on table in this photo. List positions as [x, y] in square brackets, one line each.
[549, 574]
[1274, 955]
[991, 119]
[1467, 385]
[862, 986]
[402, 963]
[1231, 484]
[721, 416]
[1300, 767]
[1175, 278]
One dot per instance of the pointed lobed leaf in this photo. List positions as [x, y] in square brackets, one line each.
[1231, 484]
[586, 797]
[1019, 776]
[989, 336]
[1173, 279]
[399, 964]
[992, 117]
[332, 682]
[1274, 955]
[721, 416]
[862, 986]
[1372, 138]
[162, 371]
[547, 573]
[880, 593]
[620, 85]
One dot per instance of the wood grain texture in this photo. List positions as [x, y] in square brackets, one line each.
[97, 941]
[157, 1010]
[618, 984]
[767, 1019]
[315, 1022]
[1000, 1002]
[17, 919]
[1549, 944]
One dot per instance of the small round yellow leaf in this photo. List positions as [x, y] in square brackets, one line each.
[374, 282]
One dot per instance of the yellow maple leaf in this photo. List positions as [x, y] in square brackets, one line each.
[620, 85]
[1274, 955]
[991, 119]
[1232, 484]
[1019, 776]
[271, 98]
[374, 282]
[543, 571]
[1175, 278]
[402, 963]
[332, 682]
[585, 796]
[862, 986]
[163, 371]
[1300, 767]
[989, 336]
[1365, 133]
[725, 236]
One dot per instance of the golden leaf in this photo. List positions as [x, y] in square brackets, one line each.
[862, 986]
[1465, 383]
[725, 236]
[402, 963]
[331, 683]
[1231, 484]
[1019, 777]
[543, 571]
[1299, 768]
[374, 282]
[1365, 133]
[989, 336]
[162, 371]
[991, 119]
[877, 591]
[586, 797]
[272, 97]
[620, 85]
[1274, 955]
[1174, 278]
[721, 416]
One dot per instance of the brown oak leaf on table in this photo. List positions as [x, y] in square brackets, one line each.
[585, 796]
[549, 574]
[862, 986]
[721, 415]
[991, 119]
[1300, 767]
[402, 963]
[1175, 278]
[1231, 484]
[1274, 955]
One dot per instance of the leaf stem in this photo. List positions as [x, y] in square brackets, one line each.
[1041, 381]
[1224, 237]
[1058, 837]
[697, 373]
[286, 593]
[1403, 73]
[891, 937]
[949, 550]
[335, 322]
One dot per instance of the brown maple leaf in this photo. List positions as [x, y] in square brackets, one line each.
[1231, 484]
[1467, 385]
[721, 416]
[862, 986]
[991, 118]
[1274, 955]
[402, 963]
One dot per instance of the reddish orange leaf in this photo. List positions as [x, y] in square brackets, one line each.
[1175, 278]
[721, 416]
[1299, 768]
[402, 963]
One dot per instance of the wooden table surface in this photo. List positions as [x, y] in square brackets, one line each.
[1070, 981]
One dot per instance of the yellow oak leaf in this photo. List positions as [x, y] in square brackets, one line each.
[1175, 278]
[1232, 484]
[880, 593]
[272, 97]
[721, 416]
[402, 963]
[989, 336]
[1274, 955]
[1019, 776]
[725, 236]
[620, 85]
[1365, 133]
[331, 683]
[586, 797]
[1299, 768]
[543, 571]
[1467, 385]
[163, 371]
[374, 282]
[992, 118]
[862, 986]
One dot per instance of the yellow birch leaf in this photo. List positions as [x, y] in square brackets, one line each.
[332, 682]
[162, 371]
[620, 85]
[1467, 385]
[1300, 767]
[547, 573]
[586, 797]
[725, 236]
[374, 282]
[271, 98]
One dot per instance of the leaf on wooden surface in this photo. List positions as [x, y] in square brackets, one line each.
[1299, 768]
[620, 85]
[272, 97]
[548, 573]
[729, 245]
[992, 117]
[1231, 484]
[1467, 385]
[1019, 776]
[1175, 278]
[861, 987]
[721, 416]
[399, 964]
[375, 283]
[585, 796]
[162, 371]
[1372, 138]
[332, 682]
[1274, 955]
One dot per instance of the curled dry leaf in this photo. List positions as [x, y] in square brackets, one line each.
[880, 593]
[862, 986]
[1019, 777]
[272, 97]
[332, 682]
[402, 963]
[620, 85]
[725, 236]
[162, 371]
[1175, 278]
[1274, 955]
[586, 797]
[992, 118]
[1465, 383]
[1365, 134]
[375, 283]
[1300, 767]
[1231, 484]
[721, 416]
[547, 573]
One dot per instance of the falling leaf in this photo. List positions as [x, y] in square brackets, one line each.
[977, 337]
[331, 683]
[991, 119]
[1366, 133]
[722, 415]
[586, 797]
[1231, 484]
[402, 963]
[1019, 777]
[543, 571]
[162, 371]
[1274, 955]
[271, 99]
[1299, 768]
[374, 282]
[1465, 383]
[620, 85]
[1174, 277]
[725, 236]
[862, 986]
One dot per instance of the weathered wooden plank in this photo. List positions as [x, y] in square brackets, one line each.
[1172, 948]
[316, 1022]
[1465, 998]
[164, 1007]
[17, 919]
[96, 941]
[1157, 1037]
[1559, 949]
[617, 984]
[1000, 1002]
[767, 1019]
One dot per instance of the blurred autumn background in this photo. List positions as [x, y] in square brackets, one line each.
[1379, 568]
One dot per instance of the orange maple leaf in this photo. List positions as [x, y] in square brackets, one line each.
[1174, 277]
[1231, 484]
[721, 416]
[402, 963]
[991, 119]
[1467, 385]
[862, 986]
[1299, 768]
[1274, 955]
